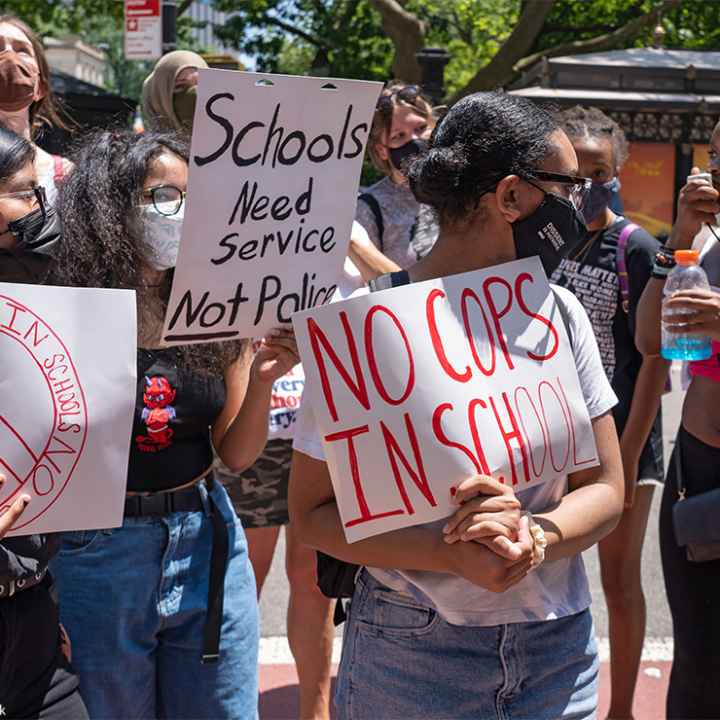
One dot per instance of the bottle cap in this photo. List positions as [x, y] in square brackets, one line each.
[687, 257]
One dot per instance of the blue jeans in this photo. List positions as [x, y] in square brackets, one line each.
[134, 599]
[402, 661]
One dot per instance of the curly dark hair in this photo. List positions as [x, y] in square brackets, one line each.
[102, 243]
[591, 122]
[483, 138]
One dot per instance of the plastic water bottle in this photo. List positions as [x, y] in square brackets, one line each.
[686, 275]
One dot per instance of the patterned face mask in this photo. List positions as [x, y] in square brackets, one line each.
[161, 235]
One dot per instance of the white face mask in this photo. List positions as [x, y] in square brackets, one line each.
[161, 234]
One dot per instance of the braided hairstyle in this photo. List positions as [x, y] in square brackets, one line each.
[102, 234]
[483, 138]
[592, 123]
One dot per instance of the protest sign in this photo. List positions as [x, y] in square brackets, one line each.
[272, 188]
[67, 395]
[418, 387]
[285, 403]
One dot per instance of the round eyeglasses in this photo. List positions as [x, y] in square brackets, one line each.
[167, 199]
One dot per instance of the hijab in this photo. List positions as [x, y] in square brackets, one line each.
[158, 88]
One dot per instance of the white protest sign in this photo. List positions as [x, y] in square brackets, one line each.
[274, 173]
[67, 396]
[418, 387]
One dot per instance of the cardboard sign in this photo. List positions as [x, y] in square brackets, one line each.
[418, 387]
[274, 173]
[67, 395]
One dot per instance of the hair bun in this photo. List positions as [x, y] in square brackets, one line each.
[437, 174]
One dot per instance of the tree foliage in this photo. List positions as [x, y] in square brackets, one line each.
[490, 41]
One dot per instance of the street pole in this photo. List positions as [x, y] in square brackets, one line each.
[169, 26]
[432, 66]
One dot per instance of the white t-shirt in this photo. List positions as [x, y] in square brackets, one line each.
[556, 589]
[287, 391]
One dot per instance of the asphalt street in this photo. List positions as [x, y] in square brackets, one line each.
[273, 604]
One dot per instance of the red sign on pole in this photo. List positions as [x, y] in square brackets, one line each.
[143, 29]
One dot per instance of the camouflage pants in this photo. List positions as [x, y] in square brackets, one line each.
[260, 493]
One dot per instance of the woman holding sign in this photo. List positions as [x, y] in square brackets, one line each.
[169, 597]
[35, 674]
[485, 614]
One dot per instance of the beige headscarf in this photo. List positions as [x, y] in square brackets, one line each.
[157, 95]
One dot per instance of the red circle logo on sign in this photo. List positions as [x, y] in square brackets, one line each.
[43, 415]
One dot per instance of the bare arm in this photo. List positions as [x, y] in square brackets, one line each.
[369, 260]
[697, 204]
[644, 407]
[249, 391]
[592, 507]
[314, 514]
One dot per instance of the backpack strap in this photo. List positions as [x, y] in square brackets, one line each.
[371, 201]
[621, 264]
[59, 169]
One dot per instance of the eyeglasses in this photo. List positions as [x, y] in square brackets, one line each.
[579, 187]
[36, 194]
[167, 199]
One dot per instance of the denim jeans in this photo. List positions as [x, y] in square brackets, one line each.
[402, 661]
[134, 599]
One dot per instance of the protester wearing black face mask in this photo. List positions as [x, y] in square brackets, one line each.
[608, 272]
[399, 227]
[35, 674]
[503, 178]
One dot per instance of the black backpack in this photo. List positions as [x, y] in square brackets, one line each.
[336, 578]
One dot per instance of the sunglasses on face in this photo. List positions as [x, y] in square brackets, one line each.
[578, 187]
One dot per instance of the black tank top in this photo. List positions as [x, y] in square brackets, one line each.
[174, 409]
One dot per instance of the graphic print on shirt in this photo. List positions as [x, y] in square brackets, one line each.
[597, 289]
[157, 415]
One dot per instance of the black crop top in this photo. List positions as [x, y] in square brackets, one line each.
[174, 409]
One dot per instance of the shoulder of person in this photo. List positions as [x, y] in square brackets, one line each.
[640, 239]
[574, 314]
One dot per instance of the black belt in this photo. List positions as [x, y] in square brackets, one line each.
[190, 500]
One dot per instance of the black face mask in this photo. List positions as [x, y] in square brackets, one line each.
[400, 155]
[38, 236]
[39, 231]
[553, 231]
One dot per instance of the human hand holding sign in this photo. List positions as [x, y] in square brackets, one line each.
[489, 513]
[8, 518]
[486, 568]
[276, 356]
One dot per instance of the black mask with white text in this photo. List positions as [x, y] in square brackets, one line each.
[552, 232]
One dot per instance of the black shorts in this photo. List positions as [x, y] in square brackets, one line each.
[260, 493]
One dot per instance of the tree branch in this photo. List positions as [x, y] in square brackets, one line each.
[618, 38]
[407, 33]
[500, 70]
[183, 6]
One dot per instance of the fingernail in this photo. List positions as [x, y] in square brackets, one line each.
[453, 490]
[446, 528]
